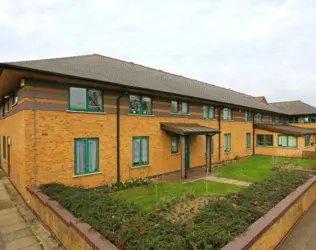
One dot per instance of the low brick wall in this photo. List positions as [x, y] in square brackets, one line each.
[267, 232]
[66, 228]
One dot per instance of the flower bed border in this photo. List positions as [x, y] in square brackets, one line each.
[257, 236]
[91, 238]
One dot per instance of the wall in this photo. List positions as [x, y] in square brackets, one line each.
[280, 151]
[67, 229]
[267, 232]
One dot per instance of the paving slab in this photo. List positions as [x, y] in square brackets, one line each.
[21, 243]
[8, 237]
[13, 228]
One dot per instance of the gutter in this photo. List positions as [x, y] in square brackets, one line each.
[34, 141]
[253, 135]
[118, 129]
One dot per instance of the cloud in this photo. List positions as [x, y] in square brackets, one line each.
[263, 47]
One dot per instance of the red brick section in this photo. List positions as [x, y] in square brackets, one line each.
[92, 237]
[258, 228]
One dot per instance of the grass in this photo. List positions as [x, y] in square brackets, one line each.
[148, 197]
[256, 168]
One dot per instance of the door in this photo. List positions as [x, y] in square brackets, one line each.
[187, 152]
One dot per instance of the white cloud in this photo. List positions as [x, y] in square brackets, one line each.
[257, 47]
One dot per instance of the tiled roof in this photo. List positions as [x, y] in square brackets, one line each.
[105, 69]
[295, 107]
[187, 128]
[286, 129]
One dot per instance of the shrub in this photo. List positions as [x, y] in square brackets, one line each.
[118, 186]
[129, 227]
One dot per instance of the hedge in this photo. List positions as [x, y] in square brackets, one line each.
[130, 227]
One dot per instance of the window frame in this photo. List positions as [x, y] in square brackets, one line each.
[187, 111]
[261, 117]
[248, 116]
[141, 107]
[140, 152]
[3, 110]
[208, 109]
[87, 100]
[230, 117]
[226, 136]
[4, 147]
[248, 142]
[177, 107]
[272, 119]
[177, 141]
[86, 172]
[287, 141]
[15, 99]
[307, 145]
[264, 140]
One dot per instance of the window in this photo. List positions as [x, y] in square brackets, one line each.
[174, 107]
[306, 119]
[227, 114]
[6, 106]
[294, 119]
[174, 144]
[264, 140]
[185, 108]
[227, 142]
[141, 105]
[85, 99]
[288, 141]
[248, 116]
[208, 112]
[3, 110]
[307, 140]
[278, 119]
[248, 140]
[15, 99]
[4, 147]
[86, 156]
[259, 117]
[140, 151]
[272, 119]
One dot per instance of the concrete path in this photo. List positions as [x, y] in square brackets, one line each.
[19, 228]
[303, 236]
[225, 180]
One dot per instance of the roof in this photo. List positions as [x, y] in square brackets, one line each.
[110, 70]
[261, 99]
[187, 128]
[286, 129]
[295, 107]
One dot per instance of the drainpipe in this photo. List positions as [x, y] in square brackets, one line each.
[34, 142]
[219, 135]
[253, 135]
[118, 152]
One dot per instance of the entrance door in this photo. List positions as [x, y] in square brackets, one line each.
[187, 152]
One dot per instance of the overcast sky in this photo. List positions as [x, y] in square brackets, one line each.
[259, 47]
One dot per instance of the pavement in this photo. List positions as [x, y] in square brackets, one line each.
[225, 180]
[19, 228]
[303, 235]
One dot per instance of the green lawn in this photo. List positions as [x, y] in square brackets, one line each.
[149, 197]
[256, 168]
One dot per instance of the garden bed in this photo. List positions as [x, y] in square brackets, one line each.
[216, 223]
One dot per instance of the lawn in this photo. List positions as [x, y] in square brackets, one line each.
[257, 168]
[149, 197]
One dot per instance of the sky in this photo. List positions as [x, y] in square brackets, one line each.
[258, 47]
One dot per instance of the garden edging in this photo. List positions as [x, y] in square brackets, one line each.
[272, 228]
[67, 229]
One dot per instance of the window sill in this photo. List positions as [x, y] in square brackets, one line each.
[85, 112]
[286, 147]
[84, 175]
[227, 152]
[141, 166]
[14, 104]
[209, 119]
[264, 146]
[138, 114]
[172, 154]
[175, 113]
[229, 120]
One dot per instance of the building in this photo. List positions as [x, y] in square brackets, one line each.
[93, 120]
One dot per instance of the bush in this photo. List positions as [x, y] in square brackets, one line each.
[129, 227]
[118, 186]
[220, 221]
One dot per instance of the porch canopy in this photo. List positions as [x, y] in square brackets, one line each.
[286, 129]
[187, 128]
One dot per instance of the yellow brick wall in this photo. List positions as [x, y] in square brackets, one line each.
[13, 126]
[279, 151]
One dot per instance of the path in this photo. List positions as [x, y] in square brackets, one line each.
[303, 236]
[225, 180]
[18, 226]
